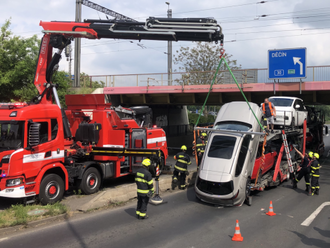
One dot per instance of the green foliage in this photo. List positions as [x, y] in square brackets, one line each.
[200, 63]
[87, 86]
[18, 58]
[203, 120]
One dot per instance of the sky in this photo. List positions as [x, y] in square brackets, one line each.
[251, 28]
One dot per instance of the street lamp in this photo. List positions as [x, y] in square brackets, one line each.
[169, 50]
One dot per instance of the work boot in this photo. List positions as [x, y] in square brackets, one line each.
[317, 192]
[183, 187]
[144, 217]
[308, 189]
[294, 184]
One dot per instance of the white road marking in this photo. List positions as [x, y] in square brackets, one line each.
[310, 219]
[3, 239]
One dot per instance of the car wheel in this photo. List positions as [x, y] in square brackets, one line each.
[293, 123]
[248, 199]
[91, 181]
[51, 189]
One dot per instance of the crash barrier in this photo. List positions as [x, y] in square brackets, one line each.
[237, 235]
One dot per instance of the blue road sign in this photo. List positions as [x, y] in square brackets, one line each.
[287, 63]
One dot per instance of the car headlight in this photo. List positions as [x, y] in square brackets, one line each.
[14, 182]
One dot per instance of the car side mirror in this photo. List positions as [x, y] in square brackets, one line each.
[297, 106]
[34, 134]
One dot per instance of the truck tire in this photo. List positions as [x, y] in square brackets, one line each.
[51, 189]
[91, 181]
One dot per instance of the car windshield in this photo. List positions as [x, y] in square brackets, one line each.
[222, 147]
[233, 125]
[281, 102]
[11, 136]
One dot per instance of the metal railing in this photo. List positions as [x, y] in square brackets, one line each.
[243, 76]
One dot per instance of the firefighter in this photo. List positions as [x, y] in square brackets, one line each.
[145, 189]
[200, 147]
[315, 172]
[269, 111]
[180, 168]
[305, 170]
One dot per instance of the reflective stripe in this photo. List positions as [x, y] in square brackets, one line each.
[179, 168]
[317, 187]
[181, 156]
[315, 175]
[140, 174]
[143, 191]
[150, 182]
[200, 145]
[297, 180]
[143, 214]
[140, 180]
[182, 161]
[307, 183]
[138, 212]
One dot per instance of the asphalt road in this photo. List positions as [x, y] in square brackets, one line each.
[186, 222]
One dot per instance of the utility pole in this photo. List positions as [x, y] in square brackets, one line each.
[77, 48]
[169, 50]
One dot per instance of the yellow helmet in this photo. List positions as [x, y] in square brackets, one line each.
[316, 155]
[184, 148]
[310, 154]
[146, 162]
[204, 134]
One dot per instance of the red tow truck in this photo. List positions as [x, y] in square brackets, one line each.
[44, 148]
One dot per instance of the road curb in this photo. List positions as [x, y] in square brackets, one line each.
[127, 192]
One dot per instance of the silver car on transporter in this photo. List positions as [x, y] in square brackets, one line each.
[224, 174]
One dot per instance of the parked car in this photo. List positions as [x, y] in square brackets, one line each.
[290, 111]
[224, 175]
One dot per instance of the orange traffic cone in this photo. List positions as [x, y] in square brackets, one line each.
[237, 235]
[271, 212]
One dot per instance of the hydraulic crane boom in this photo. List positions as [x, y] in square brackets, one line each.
[60, 34]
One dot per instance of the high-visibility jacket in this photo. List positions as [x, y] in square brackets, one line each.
[270, 106]
[315, 168]
[144, 182]
[182, 161]
[200, 145]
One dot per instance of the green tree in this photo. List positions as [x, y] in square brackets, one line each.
[18, 58]
[200, 63]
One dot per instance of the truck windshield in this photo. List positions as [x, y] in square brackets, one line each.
[11, 136]
[222, 147]
[233, 125]
[281, 102]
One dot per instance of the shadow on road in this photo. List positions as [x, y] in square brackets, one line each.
[131, 212]
[311, 241]
[325, 233]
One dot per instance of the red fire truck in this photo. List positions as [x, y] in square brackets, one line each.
[44, 149]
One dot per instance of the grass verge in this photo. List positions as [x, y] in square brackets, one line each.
[21, 214]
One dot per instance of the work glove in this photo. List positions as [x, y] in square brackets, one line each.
[187, 173]
[150, 193]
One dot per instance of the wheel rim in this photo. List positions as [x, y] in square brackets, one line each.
[52, 190]
[92, 181]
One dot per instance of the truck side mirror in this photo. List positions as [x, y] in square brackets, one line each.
[297, 106]
[34, 134]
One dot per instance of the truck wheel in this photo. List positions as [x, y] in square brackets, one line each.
[51, 189]
[91, 181]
